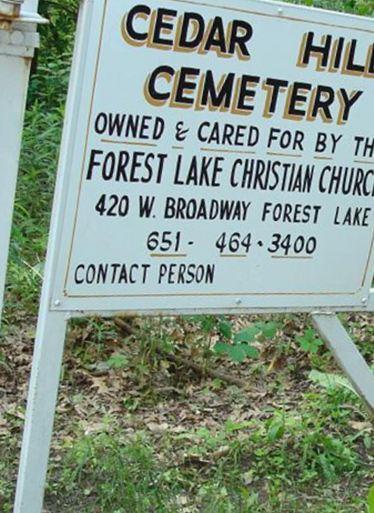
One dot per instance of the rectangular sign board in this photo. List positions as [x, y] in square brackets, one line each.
[217, 156]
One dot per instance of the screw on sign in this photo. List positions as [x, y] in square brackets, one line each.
[219, 172]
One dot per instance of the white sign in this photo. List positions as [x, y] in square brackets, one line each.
[217, 157]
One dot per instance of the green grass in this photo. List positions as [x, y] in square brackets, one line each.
[287, 463]
[300, 454]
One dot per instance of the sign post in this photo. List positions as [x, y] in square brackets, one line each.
[18, 40]
[208, 166]
[347, 355]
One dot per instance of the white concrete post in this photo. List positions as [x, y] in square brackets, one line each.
[18, 39]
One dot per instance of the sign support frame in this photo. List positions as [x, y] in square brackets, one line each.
[51, 333]
[346, 355]
[371, 301]
[41, 404]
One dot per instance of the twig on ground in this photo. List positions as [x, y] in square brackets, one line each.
[127, 329]
[203, 371]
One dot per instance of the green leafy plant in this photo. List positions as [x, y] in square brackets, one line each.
[117, 361]
[371, 500]
[239, 346]
[331, 381]
[309, 342]
[276, 428]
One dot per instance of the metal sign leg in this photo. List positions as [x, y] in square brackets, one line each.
[347, 355]
[41, 405]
